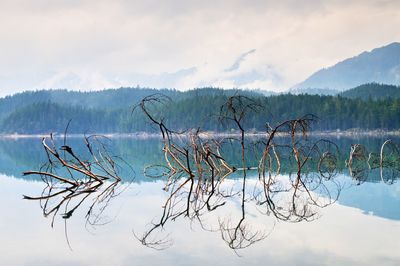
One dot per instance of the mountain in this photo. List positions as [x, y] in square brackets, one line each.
[109, 99]
[381, 65]
[104, 99]
[372, 91]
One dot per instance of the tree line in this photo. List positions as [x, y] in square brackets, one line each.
[199, 108]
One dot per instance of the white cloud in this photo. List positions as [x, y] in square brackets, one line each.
[121, 42]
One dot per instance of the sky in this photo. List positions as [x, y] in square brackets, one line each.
[184, 44]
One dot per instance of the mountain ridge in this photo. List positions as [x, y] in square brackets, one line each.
[380, 65]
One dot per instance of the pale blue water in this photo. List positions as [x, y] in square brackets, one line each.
[361, 228]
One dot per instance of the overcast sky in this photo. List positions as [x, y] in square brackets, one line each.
[272, 45]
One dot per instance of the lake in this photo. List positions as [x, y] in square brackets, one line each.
[350, 217]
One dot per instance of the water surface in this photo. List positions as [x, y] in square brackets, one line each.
[362, 227]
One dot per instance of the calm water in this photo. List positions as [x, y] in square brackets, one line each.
[361, 228]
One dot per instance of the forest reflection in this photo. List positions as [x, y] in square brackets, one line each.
[203, 186]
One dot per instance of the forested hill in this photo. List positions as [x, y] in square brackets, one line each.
[374, 91]
[110, 99]
[108, 112]
[106, 99]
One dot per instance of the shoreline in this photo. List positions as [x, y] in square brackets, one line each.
[146, 135]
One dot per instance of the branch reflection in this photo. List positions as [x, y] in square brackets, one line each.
[70, 181]
[293, 176]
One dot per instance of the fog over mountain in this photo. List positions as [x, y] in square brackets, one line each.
[91, 45]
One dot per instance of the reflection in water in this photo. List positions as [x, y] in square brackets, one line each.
[70, 180]
[361, 162]
[196, 173]
[199, 184]
[297, 177]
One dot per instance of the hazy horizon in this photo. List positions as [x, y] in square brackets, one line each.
[91, 45]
